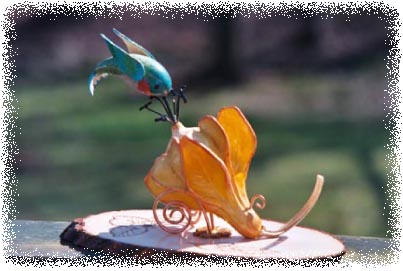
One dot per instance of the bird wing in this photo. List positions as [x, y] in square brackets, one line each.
[132, 46]
[126, 64]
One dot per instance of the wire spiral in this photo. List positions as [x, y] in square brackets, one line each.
[253, 202]
[175, 213]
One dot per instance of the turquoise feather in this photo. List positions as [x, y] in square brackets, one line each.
[137, 63]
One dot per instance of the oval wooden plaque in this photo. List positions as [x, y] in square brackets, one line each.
[137, 228]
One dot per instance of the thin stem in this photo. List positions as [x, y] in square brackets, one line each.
[169, 111]
[177, 107]
[152, 110]
[212, 221]
[172, 110]
[163, 101]
[180, 96]
[174, 107]
[298, 217]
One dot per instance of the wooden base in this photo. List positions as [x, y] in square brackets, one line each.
[134, 231]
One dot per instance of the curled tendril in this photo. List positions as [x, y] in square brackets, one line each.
[300, 215]
[177, 207]
[168, 212]
[175, 213]
[259, 205]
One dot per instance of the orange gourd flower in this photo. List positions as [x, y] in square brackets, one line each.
[205, 169]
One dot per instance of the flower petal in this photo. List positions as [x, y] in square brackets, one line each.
[166, 175]
[242, 143]
[205, 173]
[209, 180]
[167, 168]
[213, 135]
[174, 195]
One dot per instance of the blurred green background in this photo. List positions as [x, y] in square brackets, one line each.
[312, 88]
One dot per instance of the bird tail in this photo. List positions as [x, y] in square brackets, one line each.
[102, 70]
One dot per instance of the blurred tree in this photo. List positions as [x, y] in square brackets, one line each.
[224, 67]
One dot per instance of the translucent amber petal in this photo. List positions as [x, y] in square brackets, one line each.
[215, 136]
[242, 143]
[205, 173]
[208, 178]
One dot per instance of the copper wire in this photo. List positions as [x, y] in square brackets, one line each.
[170, 211]
[259, 205]
[298, 217]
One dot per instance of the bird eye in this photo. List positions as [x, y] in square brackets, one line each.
[156, 86]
